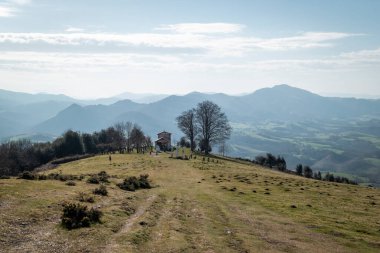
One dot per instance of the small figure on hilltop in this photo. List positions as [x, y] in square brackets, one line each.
[110, 158]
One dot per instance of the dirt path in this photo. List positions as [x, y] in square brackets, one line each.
[112, 245]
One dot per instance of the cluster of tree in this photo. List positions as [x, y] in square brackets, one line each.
[271, 161]
[279, 163]
[23, 155]
[306, 171]
[183, 142]
[206, 124]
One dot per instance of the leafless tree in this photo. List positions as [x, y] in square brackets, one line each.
[186, 123]
[125, 128]
[223, 148]
[137, 137]
[213, 124]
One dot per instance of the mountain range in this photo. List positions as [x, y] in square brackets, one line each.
[331, 134]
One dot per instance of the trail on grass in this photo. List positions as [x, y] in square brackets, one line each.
[112, 245]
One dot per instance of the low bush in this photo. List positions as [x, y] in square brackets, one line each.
[42, 177]
[85, 198]
[98, 178]
[93, 180]
[77, 216]
[134, 183]
[103, 177]
[71, 183]
[27, 175]
[102, 190]
[70, 159]
[61, 177]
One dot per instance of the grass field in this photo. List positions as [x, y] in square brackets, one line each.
[194, 206]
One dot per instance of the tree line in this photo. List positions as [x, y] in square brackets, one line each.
[205, 124]
[279, 163]
[23, 155]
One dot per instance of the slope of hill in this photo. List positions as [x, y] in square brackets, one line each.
[195, 206]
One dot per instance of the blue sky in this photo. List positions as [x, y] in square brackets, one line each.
[91, 49]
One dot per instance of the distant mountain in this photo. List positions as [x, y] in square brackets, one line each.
[144, 98]
[21, 113]
[9, 99]
[331, 134]
[281, 103]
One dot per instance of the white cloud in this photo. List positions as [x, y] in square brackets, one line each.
[6, 11]
[103, 62]
[216, 45]
[363, 55]
[9, 8]
[20, 2]
[74, 29]
[305, 40]
[199, 28]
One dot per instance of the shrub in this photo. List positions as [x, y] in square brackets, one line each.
[77, 216]
[5, 177]
[27, 175]
[85, 198]
[93, 180]
[101, 191]
[71, 183]
[134, 183]
[61, 177]
[103, 176]
[97, 178]
[42, 177]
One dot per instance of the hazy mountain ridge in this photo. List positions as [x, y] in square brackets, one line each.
[335, 134]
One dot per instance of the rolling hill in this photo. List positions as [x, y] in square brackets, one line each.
[194, 206]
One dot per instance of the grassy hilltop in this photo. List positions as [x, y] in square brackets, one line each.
[194, 206]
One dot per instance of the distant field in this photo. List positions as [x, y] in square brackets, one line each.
[351, 147]
[195, 206]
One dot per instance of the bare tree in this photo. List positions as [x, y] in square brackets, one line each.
[223, 148]
[125, 128]
[213, 124]
[186, 123]
[137, 137]
[148, 143]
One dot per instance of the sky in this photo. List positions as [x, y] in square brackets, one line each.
[97, 48]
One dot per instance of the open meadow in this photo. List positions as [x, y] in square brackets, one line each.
[197, 205]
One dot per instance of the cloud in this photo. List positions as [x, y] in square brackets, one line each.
[92, 62]
[20, 2]
[9, 8]
[6, 11]
[211, 44]
[201, 28]
[304, 40]
[363, 55]
[103, 62]
[74, 29]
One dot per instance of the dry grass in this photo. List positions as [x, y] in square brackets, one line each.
[195, 206]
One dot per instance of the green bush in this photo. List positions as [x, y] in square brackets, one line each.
[42, 177]
[97, 178]
[77, 216]
[93, 180]
[71, 183]
[27, 175]
[102, 190]
[103, 177]
[134, 183]
[85, 198]
[61, 177]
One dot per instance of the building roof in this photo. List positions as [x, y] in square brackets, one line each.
[164, 132]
